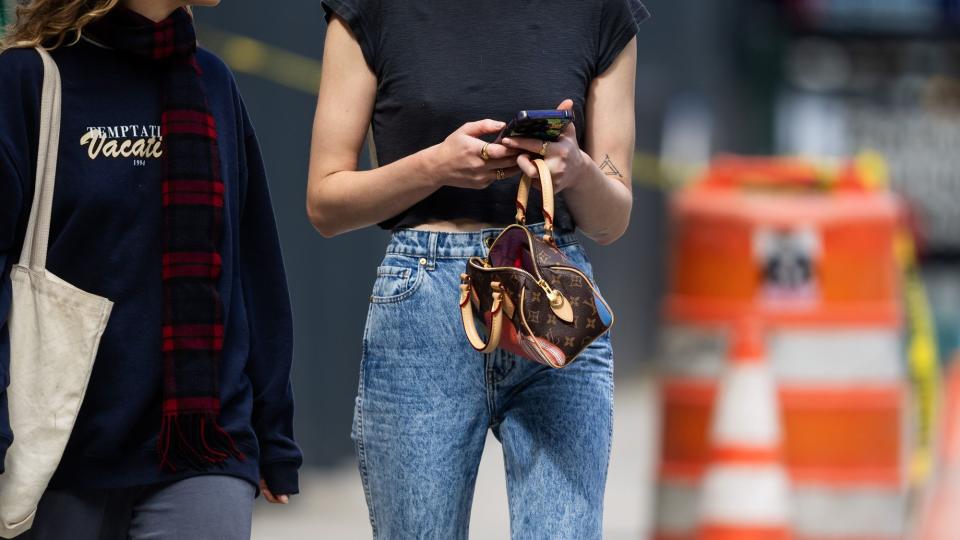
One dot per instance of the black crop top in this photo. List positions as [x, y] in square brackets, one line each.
[440, 64]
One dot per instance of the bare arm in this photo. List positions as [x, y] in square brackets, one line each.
[597, 183]
[340, 198]
[602, 200]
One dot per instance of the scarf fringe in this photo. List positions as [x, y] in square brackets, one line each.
[194, 441]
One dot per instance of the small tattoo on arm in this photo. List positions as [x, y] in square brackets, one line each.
[608, 168]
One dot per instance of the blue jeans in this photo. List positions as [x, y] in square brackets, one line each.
[427, 398]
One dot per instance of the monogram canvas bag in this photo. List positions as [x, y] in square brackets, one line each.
[55, 332]
[535, 302]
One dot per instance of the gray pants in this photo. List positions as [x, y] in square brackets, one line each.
[199, 508]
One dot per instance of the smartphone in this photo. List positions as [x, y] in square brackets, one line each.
[546, 125]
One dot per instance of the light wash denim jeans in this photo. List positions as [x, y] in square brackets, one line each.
[427, 398]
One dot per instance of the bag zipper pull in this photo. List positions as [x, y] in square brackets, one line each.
[556, 299]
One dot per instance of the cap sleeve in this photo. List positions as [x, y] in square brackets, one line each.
[363, 18]
[620, 21]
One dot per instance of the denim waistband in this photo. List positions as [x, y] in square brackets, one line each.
[457, 245]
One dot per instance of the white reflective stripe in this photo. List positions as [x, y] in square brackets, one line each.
[747, 412]
[816, 512]
[677, 504]
[691, 351]
[795, 355]
[749, 495]
[823, 512]
[826, 355]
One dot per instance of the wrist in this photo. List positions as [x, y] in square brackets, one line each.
[427, 166]
[587, 177]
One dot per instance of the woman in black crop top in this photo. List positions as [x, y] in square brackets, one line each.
[437, 80]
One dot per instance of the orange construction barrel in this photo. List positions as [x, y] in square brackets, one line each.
[810, 253]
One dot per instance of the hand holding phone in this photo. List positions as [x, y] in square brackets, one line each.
[559, 148]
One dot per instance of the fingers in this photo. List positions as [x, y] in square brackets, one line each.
[499, 151]
[482, 127]
[486, 178]
[275, 499]
[508, 172]
[504, 163]
[266, 491]
[271, 498]
[526, 165]
[570, 132]
[524, 144]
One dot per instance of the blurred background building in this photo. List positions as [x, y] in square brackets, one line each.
[822, 80]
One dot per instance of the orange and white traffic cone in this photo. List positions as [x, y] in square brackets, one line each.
[745, 492]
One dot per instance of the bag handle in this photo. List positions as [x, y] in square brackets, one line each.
[496, 322]
[523, 193]
[34, 253]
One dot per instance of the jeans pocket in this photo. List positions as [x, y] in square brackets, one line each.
[578, 256]
[398, 277]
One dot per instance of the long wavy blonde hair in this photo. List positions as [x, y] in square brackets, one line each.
[53, 22]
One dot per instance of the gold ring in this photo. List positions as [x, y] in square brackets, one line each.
[543, 149]
[483, 152]
[500, 175]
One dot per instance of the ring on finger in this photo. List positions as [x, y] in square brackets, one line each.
[543, 149]
[483, 152]
[500, 174]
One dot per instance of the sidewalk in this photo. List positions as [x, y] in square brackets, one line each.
[332, 505]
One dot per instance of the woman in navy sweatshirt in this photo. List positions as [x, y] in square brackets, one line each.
[162, 206]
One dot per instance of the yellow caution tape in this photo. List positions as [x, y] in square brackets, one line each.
[923, 360]
[247, 55]
[873, 168]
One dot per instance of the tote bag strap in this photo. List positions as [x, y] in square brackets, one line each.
[34, 253]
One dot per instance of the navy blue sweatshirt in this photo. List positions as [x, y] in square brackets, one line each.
[105, 239]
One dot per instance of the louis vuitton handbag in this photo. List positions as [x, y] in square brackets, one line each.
[533, 300]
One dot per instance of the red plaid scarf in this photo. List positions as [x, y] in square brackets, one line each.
[192, 191]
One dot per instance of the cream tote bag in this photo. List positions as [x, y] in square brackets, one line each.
[55, 330]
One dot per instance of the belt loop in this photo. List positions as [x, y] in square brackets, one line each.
[432, 248]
